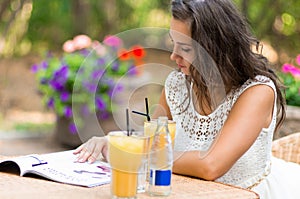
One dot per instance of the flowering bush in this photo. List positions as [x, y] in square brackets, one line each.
[84, 77]
[290, 76]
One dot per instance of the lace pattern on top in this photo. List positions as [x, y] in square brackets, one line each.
[197, 132]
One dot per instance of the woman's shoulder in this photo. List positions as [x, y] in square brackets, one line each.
[260, 85]
[175, 78]
[258, 80]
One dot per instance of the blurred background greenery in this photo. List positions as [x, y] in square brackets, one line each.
[29, 28]
[33, 26]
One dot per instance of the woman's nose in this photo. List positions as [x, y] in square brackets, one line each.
[174, 56]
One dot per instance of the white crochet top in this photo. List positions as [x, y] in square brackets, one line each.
[197, 132]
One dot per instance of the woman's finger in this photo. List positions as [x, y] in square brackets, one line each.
[95, 154]
[87, 151]
[104, 151]
[78, 149]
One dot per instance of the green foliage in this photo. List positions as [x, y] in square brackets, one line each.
[34, 128]
[275, 21]
[292, 89]
[50, 21]
[290, 76]
[53, 22]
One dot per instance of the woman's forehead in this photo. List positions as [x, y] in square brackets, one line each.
[179, 32]
[179, 27]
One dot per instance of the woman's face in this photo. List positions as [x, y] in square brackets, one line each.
[183, 52]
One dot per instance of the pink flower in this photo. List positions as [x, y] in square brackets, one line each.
[82, 41]
[295, 72]
[69, 46]
[286, 68]
[298, 60]
[99, 48]
[112, 41]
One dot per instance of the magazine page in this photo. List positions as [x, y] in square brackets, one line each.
[61, 167]
[23, 163]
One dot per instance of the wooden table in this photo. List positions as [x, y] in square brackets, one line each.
[13, 186]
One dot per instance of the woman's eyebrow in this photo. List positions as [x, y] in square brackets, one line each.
[183, 44]
[180, 43]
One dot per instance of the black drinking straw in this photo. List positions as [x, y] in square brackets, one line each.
[147, 109]
[143, 114]
[127, 122]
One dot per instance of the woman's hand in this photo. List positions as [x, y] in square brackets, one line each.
[92, 149]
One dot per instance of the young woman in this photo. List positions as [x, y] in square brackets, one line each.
[226, 101]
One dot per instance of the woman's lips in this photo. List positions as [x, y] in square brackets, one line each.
[181, 66]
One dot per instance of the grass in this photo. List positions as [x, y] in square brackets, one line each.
[33, 128]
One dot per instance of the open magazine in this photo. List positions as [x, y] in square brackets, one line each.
[59, 167]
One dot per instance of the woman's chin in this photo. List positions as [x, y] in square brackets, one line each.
[185, 71]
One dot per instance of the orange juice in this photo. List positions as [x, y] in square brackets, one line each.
[125, 155]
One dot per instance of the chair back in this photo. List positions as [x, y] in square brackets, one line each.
[287, 148]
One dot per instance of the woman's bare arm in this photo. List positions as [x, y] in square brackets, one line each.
[251, 113]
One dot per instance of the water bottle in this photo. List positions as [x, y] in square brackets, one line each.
[161, 160]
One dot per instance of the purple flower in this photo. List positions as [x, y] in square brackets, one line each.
[85, 110]
[43, 81]
[132, 70]
[101, 61]
[115, 66]
[64, 96]
[97, 74]
[90, 86]
[45, 65]
[84, 52]
[103, 115]
[118, 87]
[59, 79]
[110, 83]
[50, 103]
[100, 103]
[110, 93]
[68, 112]
[34, 68]
[72, 128]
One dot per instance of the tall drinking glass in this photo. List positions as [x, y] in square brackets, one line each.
[125, 156]
[149, 130]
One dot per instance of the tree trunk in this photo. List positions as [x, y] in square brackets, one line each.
[80, 10]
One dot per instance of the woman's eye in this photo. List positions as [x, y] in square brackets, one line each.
[186, 49]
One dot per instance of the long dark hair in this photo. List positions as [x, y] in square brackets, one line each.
[222, 31]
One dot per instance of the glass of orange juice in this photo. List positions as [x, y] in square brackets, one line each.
[125, 156]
